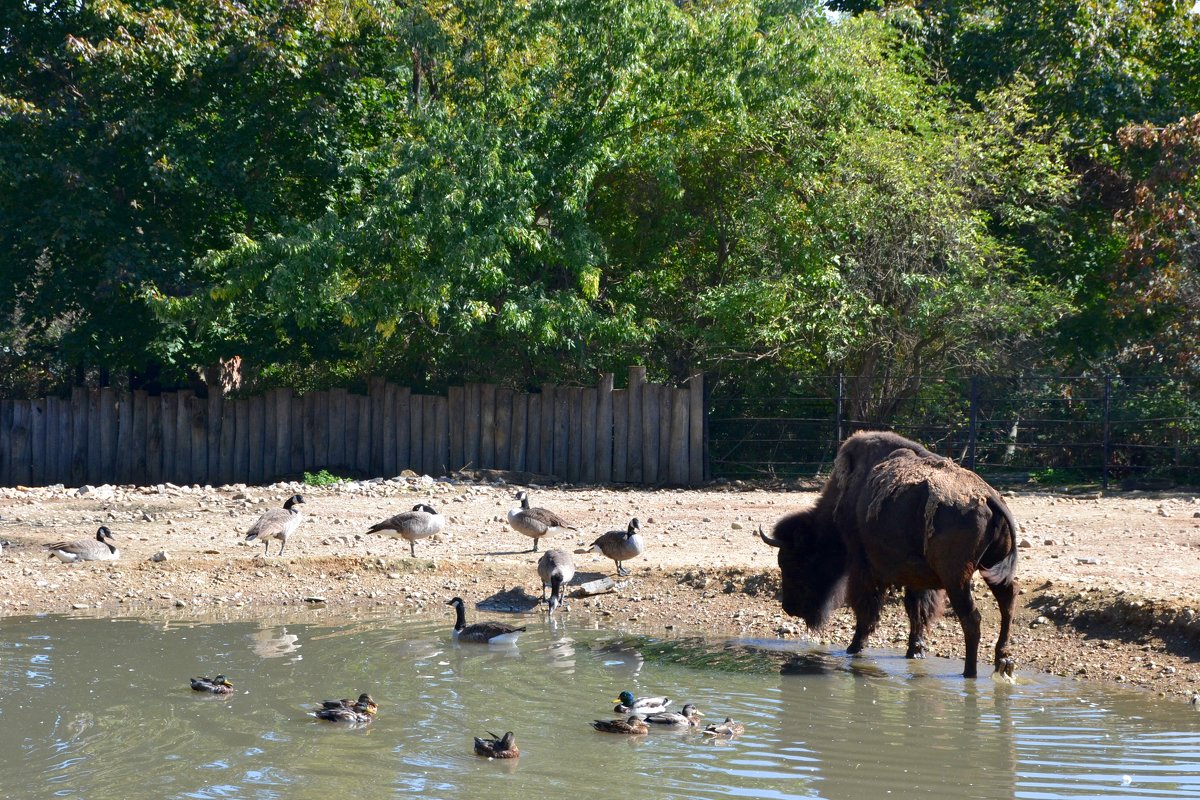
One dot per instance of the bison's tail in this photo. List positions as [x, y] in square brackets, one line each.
[999, 562]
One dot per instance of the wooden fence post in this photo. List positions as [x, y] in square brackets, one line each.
[6, 443]
[678, 473]
[635, 471]
[620, 412]
[109, 432]
[533, 433]
[651, 419]
[604, 428]
[502, 439]
[574, 451]
[520, 431]
[79, 435]
[588, 435]
[168, 403]
[546, 425]
[487, 426]
[198, 430]
[337, 427]
[697, 429]
[456, 419]
[141, 437]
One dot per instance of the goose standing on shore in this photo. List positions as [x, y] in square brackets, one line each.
[99, 548]
[420, 523]
[278, 523]
[621, 545]
[482, 632]
[535, 522]
[556, 569]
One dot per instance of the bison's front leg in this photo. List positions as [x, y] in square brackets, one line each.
[866, 600]
[923, 607]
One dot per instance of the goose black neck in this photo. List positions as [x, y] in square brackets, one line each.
[525, 502]
[460, 617]
[555, 583]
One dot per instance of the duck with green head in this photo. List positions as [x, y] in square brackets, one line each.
[628, 704]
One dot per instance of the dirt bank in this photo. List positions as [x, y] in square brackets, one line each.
[1109, 583]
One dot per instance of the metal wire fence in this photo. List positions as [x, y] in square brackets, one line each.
[1076, 430]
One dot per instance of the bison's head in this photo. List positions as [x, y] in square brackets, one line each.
[812, 566]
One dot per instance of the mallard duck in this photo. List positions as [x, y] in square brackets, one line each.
[484, 632]
[628, 704]
[420, 523]
[365, 703]
[217, 685]
[621, 545]
[498, 746]
[98, 548]
[535, 522]
[556, 569]
[688, 718]
[726, 728]
[634, 725]
[278, 523]
[361, 712]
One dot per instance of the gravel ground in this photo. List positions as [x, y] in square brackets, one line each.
[1109, 588]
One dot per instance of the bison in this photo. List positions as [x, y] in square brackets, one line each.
[893, 514]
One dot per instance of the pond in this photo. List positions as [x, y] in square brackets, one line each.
[101, 708]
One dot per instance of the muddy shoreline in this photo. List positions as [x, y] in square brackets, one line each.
[1109, 588]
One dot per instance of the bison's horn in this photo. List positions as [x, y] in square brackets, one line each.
[767, 539]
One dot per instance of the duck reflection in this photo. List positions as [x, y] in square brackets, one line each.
[275, 642]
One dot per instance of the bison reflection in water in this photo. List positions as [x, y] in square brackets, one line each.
[894, 514]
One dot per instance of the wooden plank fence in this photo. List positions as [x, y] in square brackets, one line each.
[645, 434]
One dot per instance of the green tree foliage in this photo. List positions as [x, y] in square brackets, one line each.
[522, 192]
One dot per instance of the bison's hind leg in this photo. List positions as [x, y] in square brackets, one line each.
[924, 607]
[1005, 592]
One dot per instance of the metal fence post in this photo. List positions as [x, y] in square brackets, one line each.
[841, 401]
[973, 430]
[1107, 436]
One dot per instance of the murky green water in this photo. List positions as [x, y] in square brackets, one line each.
[102, 709]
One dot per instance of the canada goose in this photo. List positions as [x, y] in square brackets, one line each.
[360, 713]
[556, 569]
[217, 685]
[365, 702]
[498, 746]
[628, 704]
[278, 523]
[485, 632]
[688, 718]
[97, 549]
[535, 522]
[621, 545]
[634, 726]
[419, 523]
[726, 728]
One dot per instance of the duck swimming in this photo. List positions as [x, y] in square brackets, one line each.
[218, 685]
[628, 704]
[634, 726]
[498, 746]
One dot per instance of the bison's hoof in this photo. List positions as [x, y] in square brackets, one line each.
[915, 651]
[1006, 666]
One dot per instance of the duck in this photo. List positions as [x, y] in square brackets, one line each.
[535, 522]
[99, 548]
[634, 725]
[365, 702]
[628, 704]
[360, 713]
[688, 718]
[218, 685]
[482, 632]
[556, 569]
[621, 545]
[278, 523]
[498, 746]
[726, 728]
[420, 523]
